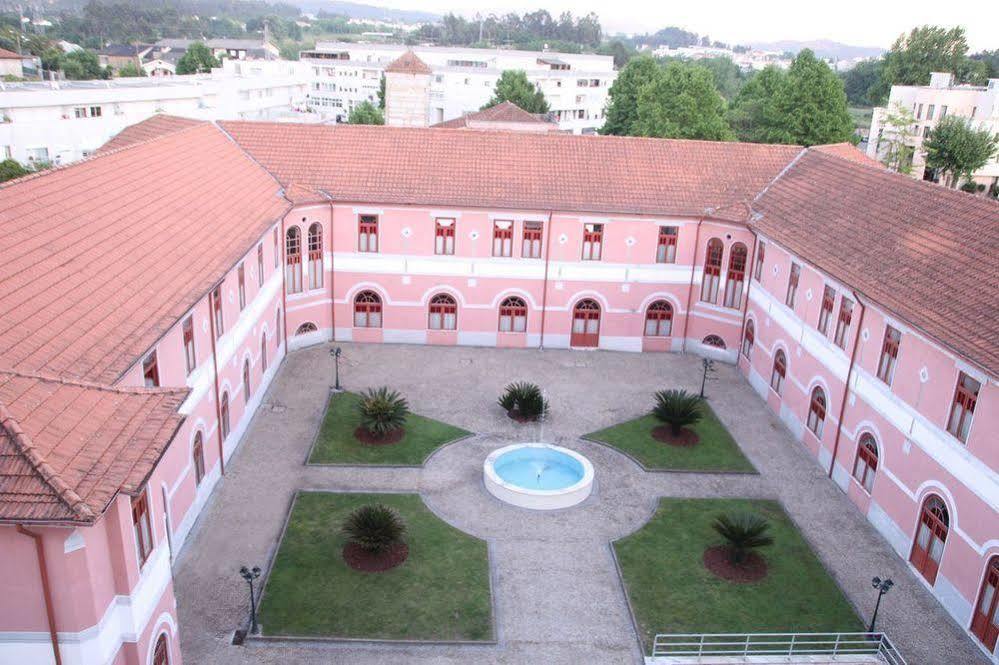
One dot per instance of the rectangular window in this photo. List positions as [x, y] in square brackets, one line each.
[929, 111]
[963, 408]
[277, 249]
[241, 277]
[943, 111]
[843, 322]
[758, 270]
[95, 111]
[666, 250]
[260, 264]
[367, 233]
[889, 354]
[919, 113]
[792, 285]
[444, 236]
[502, 238]
[189, 356]
[593, 240]
[141, 526]
[217, 311]
[531, 248]
[828, 297]
[150, 372]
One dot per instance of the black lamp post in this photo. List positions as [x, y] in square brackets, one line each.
[709, 366]
[335, 353]
[882, 585]
[251, 575]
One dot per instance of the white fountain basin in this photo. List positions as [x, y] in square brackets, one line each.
[539, 476]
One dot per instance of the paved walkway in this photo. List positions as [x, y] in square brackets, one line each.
[557, 595]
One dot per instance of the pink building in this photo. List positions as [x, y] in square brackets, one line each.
[148, 295]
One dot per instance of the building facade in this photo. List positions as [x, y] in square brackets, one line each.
[576, 86]
[726, 260]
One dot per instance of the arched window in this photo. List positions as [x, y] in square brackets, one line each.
[817, 412]
[736, 275]
[748, 337]
[161, 653]
[367, 310]
[714, 341]
[263, 353]
[712, 270]
[985, 622]
[198, 458]
[246, 381]
[224, 415]
[316, 256]
[659, 319]
[780, 371]
[513, 315]
[585, 324]
[293, 260]
[306, 328]
[866, 464]
[931, 534]
[443, 313]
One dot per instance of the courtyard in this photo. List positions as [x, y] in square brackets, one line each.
[555, 592]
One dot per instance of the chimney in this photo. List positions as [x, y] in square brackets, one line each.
[407, 92]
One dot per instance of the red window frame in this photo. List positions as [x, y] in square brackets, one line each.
[714, 340]
[241, 281]
[198, 459]
[367, 304]
[190, 354]
[367, 233]
[985, 622]
[748, 338]
[217, 312]
[736, 276]
[931, 537]
[826, 310]
[843, 322]
[141, 527]
[293, 260]
[792, 285]
[224, 415]
[712, 270]
[593, 241]
[161, 653]
[263, 352]
[666, 247]
[442, 305]
[513, 312]
[889, 354]
[659, 319]
[502, 237]
[150, 371]
[315, 240]
[779, 372]
[585, 330]
[865, 466]
[817, 412]
[246, 381]
[962, 410]
[760, 253]
[444, 232]
[531, 246]
[260, 265]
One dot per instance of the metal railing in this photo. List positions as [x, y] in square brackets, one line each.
[712, 647]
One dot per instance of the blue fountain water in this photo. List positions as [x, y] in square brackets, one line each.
[538, 468]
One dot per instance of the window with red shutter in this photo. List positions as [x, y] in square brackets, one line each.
[198, 458]
[531, 248]
[444, 229]
[443, 314]
[825, 313]
[502, 238]
[513, 315]
[241, 280]
[260, 265]
[593, 241]
[889, 355]
[150, 372]
[736, 275]
[659, 319]
[367, 310]
[316, 256]
[367, 233]
[792, 285]
[779, 372]
[843, 322]
[748, 338]
[189, 355]
[817, 412]
[141, 527]
[760, 253]
[666, 249]
[293, 260]
[217, 311]
[962, 410]
[866, 464]
[712, 270]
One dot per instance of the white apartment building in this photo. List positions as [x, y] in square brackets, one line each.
[929, 104]
[62, 121]
[344, 75]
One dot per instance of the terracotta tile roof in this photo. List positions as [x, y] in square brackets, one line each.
[151, 128]
[9, 55]
[922, 251]
[504, 112]
[103, 256]
[408, 63]
[602, 174]
[848, 151]
[67, 448]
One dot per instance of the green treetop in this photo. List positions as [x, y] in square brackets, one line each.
[513, 86]
[623, 95]
[197, 60]
[957, 149]
[682, 102]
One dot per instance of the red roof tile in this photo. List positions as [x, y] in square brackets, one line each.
[504, 112]
[922, 251]
[67, 448]
[9, 55]
[848, 151]
[151, 128]
[408, 63]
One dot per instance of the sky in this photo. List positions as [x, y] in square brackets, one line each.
[854, 22]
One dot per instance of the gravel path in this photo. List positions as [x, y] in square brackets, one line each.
[556, 592]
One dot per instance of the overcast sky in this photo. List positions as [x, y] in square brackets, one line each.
[855, 22]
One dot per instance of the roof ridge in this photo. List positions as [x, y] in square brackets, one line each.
[783, 171]
[79, 383]
[67, 495]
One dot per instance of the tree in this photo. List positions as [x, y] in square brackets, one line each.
[682, 102]
[743, 533]
[513, 86]
[753, 115]
[82, 65]
[912, 57]
[623, 94]
[729, 79]
[366, 113]
[622, 52]
[10, 169]
[811, 105]
[957, 149]
[197, 60]
[894, 144]
[678, 408]
[131, 70]
[381, 93]
[861, 81]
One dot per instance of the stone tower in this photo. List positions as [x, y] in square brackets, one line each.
[407, 92]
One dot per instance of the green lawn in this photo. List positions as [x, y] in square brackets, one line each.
[441, 592]
[336, 443]
[672, 592]
[717, 450]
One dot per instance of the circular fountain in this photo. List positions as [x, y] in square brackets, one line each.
[538, 476]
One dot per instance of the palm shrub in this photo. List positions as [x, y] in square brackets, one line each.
[677, 408]
[524, 398]
[382, 410]
[373, 528]
[743, 532]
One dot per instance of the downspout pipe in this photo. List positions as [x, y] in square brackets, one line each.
[332, 277]
[215, 369]
[690, 287]
[846, 387]
[748, 278]
[46, 590]
[544, 288]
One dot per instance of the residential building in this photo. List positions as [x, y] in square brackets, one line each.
[462, 81]
[505, 116]
[237, 49]
[931, 103]
[10, 64]
[137, 291]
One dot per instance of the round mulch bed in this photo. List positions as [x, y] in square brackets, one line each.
[753, 569]
[514, 414]
[686, 438]
[366, 562]
[369, 439]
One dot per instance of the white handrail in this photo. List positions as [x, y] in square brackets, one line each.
[776, 644]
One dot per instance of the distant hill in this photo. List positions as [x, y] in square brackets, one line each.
[371, 12]
[823, 48]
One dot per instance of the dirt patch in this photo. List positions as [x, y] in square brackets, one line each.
[685, 439]
[367, 562]
[369, 439]
[514, 414]
[753, 569]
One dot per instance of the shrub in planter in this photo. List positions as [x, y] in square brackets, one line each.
[678, 409]
[743, 532]
[524, 400]
[382, 411]
[374, 529]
